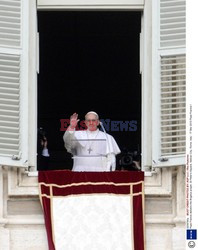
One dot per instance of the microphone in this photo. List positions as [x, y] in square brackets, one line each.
[101, 124]
[108, 144]
[105, 135]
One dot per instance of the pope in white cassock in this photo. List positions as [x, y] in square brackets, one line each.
[92, 149]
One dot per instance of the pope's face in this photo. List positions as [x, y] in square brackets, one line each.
[91, 122]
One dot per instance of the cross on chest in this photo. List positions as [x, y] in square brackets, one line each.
[89, 150]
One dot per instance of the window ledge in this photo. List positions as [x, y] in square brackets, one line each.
[32, 173]
[146, 173]
[149, 173]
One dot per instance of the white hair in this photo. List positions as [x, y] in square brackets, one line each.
[94, 113]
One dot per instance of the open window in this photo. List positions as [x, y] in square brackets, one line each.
[157, 104]
[89, 60]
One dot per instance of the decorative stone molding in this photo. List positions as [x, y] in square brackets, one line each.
[20, 184]
[159, 183]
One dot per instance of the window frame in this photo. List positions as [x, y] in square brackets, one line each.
[22, 182]
[90, 4]
[31, 77]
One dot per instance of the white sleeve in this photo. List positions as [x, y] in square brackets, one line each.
[111, 162]
[68, 138]
[45, 152]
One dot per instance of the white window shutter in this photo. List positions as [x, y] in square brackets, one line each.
[13, 133]
[169, 83]
[172, 23]
[9, 104]
[173, 105]
[10, 23]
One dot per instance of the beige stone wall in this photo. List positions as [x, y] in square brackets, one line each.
[21, 216]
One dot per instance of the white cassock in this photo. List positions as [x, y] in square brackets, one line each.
[92, 151]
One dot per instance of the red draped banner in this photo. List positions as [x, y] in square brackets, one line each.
[93, 210]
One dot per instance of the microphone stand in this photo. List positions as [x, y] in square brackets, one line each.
[108, 145]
